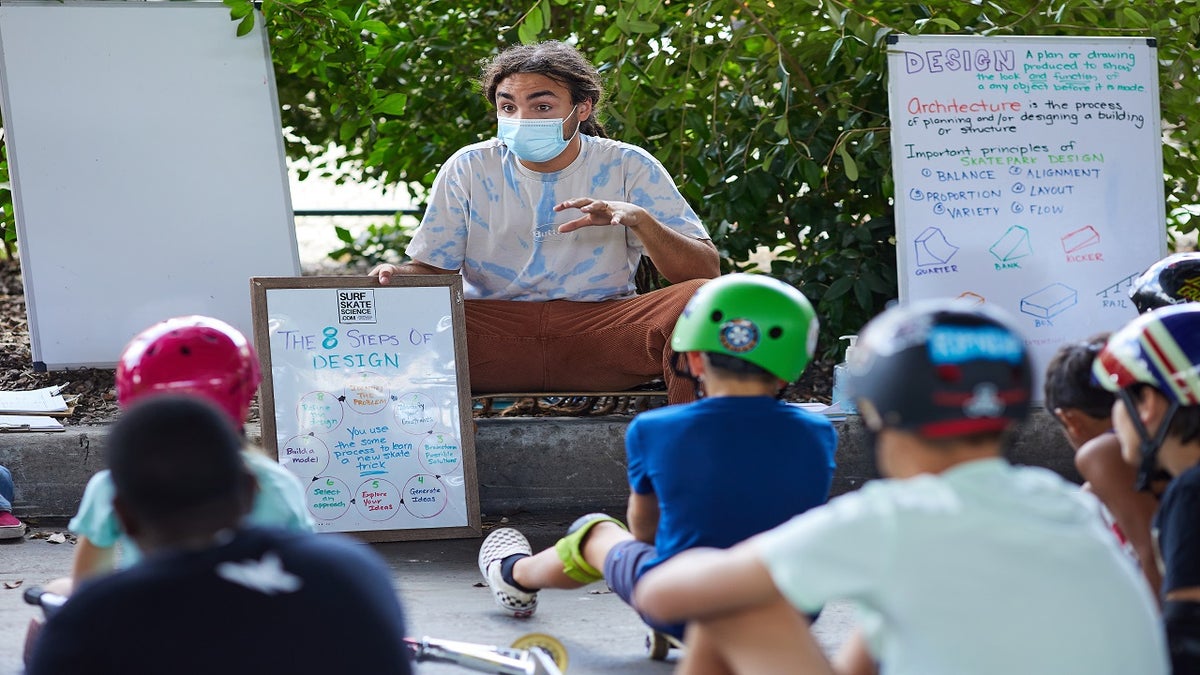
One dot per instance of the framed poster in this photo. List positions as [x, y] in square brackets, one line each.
[366, 398]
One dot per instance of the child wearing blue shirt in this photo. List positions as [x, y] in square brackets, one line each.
[709, 473]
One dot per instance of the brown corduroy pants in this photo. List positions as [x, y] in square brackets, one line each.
[560, 345]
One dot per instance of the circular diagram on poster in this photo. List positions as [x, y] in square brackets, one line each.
[319, 412]
[306, 456]
[367, 393]
[377, 499]
[415, 413]
[441, 453]
[425, 496]
[328, 498]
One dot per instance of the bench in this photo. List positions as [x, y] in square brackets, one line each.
[570, 403]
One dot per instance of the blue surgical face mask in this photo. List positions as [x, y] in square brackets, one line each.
[534, 140]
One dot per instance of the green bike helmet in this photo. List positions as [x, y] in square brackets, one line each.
[751, 317]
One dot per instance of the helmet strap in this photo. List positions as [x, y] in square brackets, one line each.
[679, 365]
[1149, 446]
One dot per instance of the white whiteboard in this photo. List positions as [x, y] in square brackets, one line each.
[365, 398]
[146, 155]
[1028, 175]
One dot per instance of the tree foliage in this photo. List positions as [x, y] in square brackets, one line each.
[771, 114]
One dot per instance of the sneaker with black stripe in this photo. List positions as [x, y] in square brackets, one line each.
[499, 545]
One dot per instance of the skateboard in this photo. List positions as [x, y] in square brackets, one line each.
[659, 645]
[531, 654]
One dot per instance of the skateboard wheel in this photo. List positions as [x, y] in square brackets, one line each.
[547, 643]
[657, 646]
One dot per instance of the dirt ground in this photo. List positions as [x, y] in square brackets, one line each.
[97, 403]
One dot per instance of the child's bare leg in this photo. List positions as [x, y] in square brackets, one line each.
[545, 570]
[60, 586]
[766, 639]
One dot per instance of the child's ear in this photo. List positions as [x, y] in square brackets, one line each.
[247, 492]
[1069, 418]
[1152, 407]
[126, 517]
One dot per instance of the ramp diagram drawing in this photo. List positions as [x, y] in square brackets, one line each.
[1077, 240]
[932, 248]
[1120, 289]
[1014, 245]
[1049, 301]
[972, 297]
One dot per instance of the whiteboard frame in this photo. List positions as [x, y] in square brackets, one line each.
[893, 45]
[139, 193]
[268, 406]
[905, 251]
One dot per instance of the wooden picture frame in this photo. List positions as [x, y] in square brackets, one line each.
[366, 396]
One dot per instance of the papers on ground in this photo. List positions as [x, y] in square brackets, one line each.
[33, 410]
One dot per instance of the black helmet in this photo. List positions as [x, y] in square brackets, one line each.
[1170, 281]
[940, 369]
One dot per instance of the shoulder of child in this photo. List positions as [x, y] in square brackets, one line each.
[1099, 458]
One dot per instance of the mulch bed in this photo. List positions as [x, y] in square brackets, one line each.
[97, 402]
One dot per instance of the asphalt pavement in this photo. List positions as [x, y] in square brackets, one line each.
[441, 590]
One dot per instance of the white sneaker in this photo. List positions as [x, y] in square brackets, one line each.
[497, 546]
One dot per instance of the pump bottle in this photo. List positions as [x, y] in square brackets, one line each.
[840, 376]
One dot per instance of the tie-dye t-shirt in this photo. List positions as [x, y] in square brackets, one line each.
[494, 220]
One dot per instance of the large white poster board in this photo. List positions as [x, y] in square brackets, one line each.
[1028, 175]
[366, 399]
[147, 163]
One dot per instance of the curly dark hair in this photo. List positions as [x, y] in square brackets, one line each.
[556, 60]
[1069, 379]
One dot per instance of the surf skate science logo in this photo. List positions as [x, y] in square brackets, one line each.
[739, 335]
[356, 305]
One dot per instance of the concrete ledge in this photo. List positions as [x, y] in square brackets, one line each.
[523, 464]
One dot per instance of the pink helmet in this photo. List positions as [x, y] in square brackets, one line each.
[191, 355]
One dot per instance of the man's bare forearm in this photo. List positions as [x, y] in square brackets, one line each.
[386, 271]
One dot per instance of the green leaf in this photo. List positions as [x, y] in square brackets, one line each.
[1134, 16]
[376, 27]
[347, 130]
[948, 23]
[393, 104]
[639, 26]
[863, 294]
[526, 34]
[533, 21]
[837, 47]
[239, 10]
[838, 288]
[848, 161]
[246, 25]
